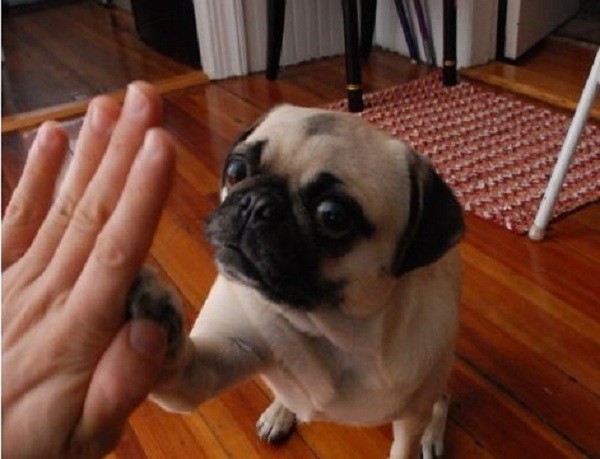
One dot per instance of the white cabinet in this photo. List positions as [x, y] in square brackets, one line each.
[528, 21]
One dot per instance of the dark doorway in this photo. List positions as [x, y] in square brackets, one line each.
[168, 27]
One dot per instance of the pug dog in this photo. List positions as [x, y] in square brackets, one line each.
[338, 283]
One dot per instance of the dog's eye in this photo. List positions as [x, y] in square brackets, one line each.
[333, 218]
[236, 171]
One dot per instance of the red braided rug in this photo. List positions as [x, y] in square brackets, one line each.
[496, 151]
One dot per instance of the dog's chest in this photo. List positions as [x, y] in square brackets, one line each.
[331, 373]
[332, 385]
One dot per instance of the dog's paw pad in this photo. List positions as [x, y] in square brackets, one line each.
[276, 423]
[150, 298]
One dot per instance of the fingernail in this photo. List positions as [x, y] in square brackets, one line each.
[101, 122]
[136, 102]
[48, 136]
[153, 144]
[148, 338]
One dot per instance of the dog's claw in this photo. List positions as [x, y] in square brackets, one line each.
[276, 423]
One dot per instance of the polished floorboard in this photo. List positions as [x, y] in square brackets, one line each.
[554, 71]
[61, 51]
[526, 381]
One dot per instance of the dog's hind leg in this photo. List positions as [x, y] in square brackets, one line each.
[432, 443]
[276, 423]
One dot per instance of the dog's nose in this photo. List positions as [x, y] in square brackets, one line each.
[262, 206]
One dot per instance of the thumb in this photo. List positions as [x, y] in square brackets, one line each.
[125, 375]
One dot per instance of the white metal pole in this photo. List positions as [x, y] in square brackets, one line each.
[538, 229]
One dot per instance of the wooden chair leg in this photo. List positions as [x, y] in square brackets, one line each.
[353, 77]
[368, 9]
[275, 22]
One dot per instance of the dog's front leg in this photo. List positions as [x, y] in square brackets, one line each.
[221, 350]
[407, 437]
[421, 432]
[207, 366]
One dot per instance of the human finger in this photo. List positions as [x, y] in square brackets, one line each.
[142, 110]
[95, 133]
[98, 296]
[33, 196]
[92, 142]
[127, 372]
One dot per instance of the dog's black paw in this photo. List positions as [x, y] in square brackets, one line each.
[150, 298]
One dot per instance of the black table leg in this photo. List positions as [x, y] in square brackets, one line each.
[368, 9]
[449, 65]
[275, 21]
[353, 77]
[410, 38]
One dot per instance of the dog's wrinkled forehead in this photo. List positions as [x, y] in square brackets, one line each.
[300, 143]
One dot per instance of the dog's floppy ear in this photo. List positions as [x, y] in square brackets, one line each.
[435, 221]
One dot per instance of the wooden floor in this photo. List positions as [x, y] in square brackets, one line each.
[60, 53]
[526, 383]
[64, 51]
[554, 71]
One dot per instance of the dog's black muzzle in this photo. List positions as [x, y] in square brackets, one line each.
[263, 207]
[262, 242]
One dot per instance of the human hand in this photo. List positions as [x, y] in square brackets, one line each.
[73, 369]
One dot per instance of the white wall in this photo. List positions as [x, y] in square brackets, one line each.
[528, 21]
[221, 35]
[233, 35]
[476, 29]
[312, 29]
